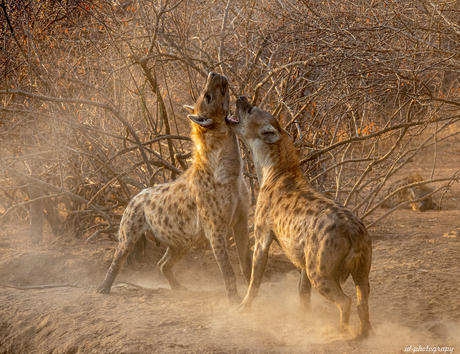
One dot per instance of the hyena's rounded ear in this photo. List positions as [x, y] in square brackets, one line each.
[200, 120]
[269, 134]
[189, 108]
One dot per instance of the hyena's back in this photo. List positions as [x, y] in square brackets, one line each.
[410, 193]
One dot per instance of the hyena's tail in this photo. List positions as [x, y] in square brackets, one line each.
[139, 251]
[358, 260]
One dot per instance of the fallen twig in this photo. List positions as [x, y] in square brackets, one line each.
[41, 286]
[131, 284]
[139, 287]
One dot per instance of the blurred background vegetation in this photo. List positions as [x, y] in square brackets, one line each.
[92, 92]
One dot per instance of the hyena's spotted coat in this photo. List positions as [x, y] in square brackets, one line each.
[409, 193]
[210, 198]
[325, 240]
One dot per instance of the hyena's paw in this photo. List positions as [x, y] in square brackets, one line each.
[103, 289]
[233, 299]
[346, 331]
[241, 308]
[363, 334]
[178, 287]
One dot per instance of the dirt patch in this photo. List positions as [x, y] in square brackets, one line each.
[414, 296]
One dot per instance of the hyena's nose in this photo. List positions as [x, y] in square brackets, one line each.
[212, 74]
[241, 98]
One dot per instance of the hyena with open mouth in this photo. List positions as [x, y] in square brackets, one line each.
[325, 240]
[210, 199]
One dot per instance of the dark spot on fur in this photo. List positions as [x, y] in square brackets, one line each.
[165, 189]
[298, 210]
[309, 197]
[323, 267]
[147, 202]
[335, 210]
[314, 223]
[175, 205]
[328, 229]
[321, 225]
[160, 210]
[327, 290]
[309, 212]
[289, 184]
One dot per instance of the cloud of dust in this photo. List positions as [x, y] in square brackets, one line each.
[277, 320]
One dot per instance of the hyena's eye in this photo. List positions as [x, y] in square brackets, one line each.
[250, 110]
[208, 98]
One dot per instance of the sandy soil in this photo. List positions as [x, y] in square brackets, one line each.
[415, 296]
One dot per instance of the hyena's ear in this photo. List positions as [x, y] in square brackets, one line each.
[189, 108]
[269, 134]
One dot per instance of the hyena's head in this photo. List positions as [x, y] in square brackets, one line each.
[271, 146]
[213, 104]
[418, 192]
[253, 125]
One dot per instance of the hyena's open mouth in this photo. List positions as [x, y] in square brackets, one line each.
[233, 118]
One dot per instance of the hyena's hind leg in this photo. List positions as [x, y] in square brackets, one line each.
[361, 280]
[167, 262]
[132, 227]
[241, 237]
[331, 290]
[323, 275]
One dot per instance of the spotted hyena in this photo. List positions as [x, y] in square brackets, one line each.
[325, 240]
[210, 199]
[410, 193]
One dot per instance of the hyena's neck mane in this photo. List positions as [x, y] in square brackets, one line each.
[215, 150]
[275, 160]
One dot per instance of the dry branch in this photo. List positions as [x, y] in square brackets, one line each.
[39, 287]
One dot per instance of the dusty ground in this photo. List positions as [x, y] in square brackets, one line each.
[415, 296]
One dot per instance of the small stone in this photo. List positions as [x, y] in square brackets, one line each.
[451, 234]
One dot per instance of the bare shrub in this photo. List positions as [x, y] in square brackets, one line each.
[92, 93]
